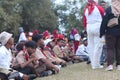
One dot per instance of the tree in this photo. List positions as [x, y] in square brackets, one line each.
[10, 15]
[70, 14]
[38, 14]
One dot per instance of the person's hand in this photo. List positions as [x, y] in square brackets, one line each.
[103, 39]
[56, 69]
[34, 59]
[25, 77]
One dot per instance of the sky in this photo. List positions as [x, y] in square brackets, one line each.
[60, 1]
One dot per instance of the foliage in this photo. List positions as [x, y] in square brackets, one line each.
[9, 15]
[30, 14]
[70, 14]
[38, 14]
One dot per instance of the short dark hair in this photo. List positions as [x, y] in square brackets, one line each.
[69, 40]
[20, 45]
[31, 44]
[102, 2]
[37, 37]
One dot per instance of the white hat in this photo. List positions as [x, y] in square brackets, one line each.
[47, 41]
[84, 39]
[4, 37]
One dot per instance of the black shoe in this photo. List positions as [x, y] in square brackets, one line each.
[88, 62]
[102, 63]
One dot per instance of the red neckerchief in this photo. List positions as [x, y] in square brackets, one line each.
[26, 55]
[90, 7]
[43, 52]
[70, 48]
[51, 51]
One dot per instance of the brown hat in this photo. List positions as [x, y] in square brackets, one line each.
[4, 37]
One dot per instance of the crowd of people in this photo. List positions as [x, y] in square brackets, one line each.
[44, 54]
[103, 25]
[41, 55]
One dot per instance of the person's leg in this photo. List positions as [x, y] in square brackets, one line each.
[110, 42]
[97, 42]
[27, 70]
[118, 51]
[97, 51]
[84, 57]
[49, 64]
[102, 58]
[90, 43]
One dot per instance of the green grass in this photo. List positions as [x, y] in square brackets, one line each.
[82, 71]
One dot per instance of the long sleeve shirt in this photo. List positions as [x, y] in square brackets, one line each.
[82, 50]
[95, 16]
[5, 57]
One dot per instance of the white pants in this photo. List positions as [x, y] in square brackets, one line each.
[94, 44]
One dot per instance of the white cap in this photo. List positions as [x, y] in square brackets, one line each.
[4, 37]
[47, 41]
[84, 39]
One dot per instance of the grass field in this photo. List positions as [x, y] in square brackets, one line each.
[82, 71]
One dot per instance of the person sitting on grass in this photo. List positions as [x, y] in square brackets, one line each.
[51, 55]
[60, 52]
[82, 50]
[24, 60]
[39, 54]
[6, 55]
[69, 48]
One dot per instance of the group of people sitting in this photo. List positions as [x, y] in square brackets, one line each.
[38, 57]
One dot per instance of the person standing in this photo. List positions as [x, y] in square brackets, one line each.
[22, 36]
[92, 20]
[112, 35]
[103, 4]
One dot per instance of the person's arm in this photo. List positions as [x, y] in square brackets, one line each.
[28, 62]
[21, 60]
[84, 22]
[49, 64]
[104, 22]
[101, 10]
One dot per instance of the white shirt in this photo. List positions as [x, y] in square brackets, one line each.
[82, 50]
[22, 37]
[77, 37]
[94, 17]
[5, 57]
